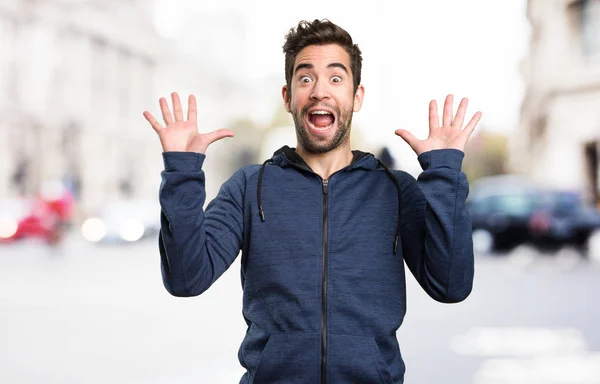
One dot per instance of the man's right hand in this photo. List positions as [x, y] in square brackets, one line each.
[180, 135]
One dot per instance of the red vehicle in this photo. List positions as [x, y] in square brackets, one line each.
[46, 217]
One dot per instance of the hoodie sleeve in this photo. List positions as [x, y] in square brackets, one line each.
[196, 247]
[436, 227]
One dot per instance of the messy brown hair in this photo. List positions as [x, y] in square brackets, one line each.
[319, 32]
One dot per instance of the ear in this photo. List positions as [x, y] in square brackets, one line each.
[286, 98]
[358, 98]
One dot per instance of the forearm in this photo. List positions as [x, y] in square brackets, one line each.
[194, 252]
[439, 250]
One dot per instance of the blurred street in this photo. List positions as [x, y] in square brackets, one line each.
[75, 150]
[82, 313]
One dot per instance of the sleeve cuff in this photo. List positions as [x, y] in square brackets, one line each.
[442, 158]
[183, 161]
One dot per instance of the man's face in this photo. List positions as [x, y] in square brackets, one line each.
[322, 99]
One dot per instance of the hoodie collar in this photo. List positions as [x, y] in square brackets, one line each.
[286, 156]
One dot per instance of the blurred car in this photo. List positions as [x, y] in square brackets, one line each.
[510, 210]
[125, 221]
[501, 209]
[47, 216]
[562, 217]
[12, 213]
[57, 198]
[26, 218]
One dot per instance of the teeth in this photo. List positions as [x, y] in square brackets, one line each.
[320, 113]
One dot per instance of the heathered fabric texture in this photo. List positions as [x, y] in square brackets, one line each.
[282, 257]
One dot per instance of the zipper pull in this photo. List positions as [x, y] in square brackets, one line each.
[325, 186]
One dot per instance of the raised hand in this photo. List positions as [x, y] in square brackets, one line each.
[181, 135]
[450, 134]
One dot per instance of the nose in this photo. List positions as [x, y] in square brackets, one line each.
[320, 91]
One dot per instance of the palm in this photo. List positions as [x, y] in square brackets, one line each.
[450, 135]
[181, 135]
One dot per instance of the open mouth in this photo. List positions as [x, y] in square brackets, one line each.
[320, 120]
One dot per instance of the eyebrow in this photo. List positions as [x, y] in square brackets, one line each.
[310, 66]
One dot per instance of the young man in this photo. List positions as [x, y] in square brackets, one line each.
[324, 231]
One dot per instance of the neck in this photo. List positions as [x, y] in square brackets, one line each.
[326, 164]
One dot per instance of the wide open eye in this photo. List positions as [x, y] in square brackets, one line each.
[305, 79]
[336, 79]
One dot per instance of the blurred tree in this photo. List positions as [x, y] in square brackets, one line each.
[281, 118]
[486, 155]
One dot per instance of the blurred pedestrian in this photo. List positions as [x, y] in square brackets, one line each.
[385, 156]
[324, 231]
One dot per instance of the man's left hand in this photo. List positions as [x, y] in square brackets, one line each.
[450, 135]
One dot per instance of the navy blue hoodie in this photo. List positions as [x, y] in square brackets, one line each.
[323, 261]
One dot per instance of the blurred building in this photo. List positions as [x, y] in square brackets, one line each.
[75, 76]
[208, 59]
[559, 137]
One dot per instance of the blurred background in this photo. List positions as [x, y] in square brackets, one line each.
[81, 297]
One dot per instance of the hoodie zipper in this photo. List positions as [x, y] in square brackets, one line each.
[324, 288]
[305, 167]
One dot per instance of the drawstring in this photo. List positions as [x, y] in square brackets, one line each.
[261, 212]
[399, 223]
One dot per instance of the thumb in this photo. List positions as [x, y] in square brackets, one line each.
[219, 134]
[408, 137]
